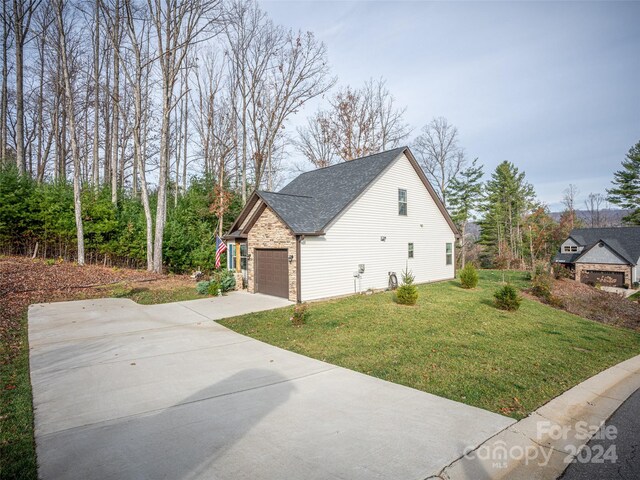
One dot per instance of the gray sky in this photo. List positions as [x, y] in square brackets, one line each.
[551, 87]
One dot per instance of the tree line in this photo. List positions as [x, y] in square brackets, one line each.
[158, 107]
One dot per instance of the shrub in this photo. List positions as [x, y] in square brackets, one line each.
[556, 301]
[560, 271]
[541, 286]
[225, 279]
[202, 287]
[636, 284]
[469, 276]
[300, 314]
[214, 289]
[407, 293]
[507, 298]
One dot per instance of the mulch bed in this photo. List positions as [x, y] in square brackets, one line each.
[598, 305]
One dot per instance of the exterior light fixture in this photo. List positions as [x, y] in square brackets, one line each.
[383, 238]
[290, 258]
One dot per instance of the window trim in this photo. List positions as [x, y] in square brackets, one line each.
[410, 251]
[404, 202]
[449, 253]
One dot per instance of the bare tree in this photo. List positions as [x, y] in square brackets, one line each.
[22, 13]
[62, 45]
[177, 25]
[244, 23]
[569, 202]
[314, 142]
[5, 75]
[358, 122]
[594, 204]
[296, 71]
[96, 96]
[439, 154]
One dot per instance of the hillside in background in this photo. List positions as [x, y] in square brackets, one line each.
[610, 217]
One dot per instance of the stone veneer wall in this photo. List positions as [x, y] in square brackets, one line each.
[607, 267]
[270, 232]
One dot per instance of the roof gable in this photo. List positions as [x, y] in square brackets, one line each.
[313, 200]
[624, 241]
[590, 250]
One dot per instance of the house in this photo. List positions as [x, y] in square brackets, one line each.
[344, 229]
[608, 256]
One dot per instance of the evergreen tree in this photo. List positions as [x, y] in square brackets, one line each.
[626, 192]
[465, 196]
[508, 197]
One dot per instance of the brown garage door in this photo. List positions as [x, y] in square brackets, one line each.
[272, 272]
[609, 279]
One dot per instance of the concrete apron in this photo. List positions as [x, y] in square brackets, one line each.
[541, 446]
[128, 391]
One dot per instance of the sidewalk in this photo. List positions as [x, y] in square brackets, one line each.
[541, 446]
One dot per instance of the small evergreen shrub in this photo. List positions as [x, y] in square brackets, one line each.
[507, 298]
[300, 314]
[202, 287]
[407, 293]
[469, 276]
[214, 289]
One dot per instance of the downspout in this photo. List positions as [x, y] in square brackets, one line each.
[299, 239]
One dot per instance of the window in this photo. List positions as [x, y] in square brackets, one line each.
[243, 256]
[570, 248]
[402, 202]
[449, 253]
[567, 248]
[574, 249]
[411, 250]
[231, 256]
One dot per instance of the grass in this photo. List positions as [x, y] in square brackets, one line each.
[635, 296]
[17, 447]
[145, 296]
[454, 343]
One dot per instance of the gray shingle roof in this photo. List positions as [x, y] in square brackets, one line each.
[624, 240]
[566, 257]
[310, 201]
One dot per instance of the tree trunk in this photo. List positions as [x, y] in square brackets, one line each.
[115, 128]
[18, 32]
[5, 76]
[96, 98]
[74, 143]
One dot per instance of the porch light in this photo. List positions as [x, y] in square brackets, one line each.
[383, 238]
[290, 258]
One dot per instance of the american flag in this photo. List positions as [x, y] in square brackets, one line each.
[221, 247]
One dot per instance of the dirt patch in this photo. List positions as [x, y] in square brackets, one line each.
[598, 305]
[24, 281]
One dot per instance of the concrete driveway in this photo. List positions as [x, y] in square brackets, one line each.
[124, 391]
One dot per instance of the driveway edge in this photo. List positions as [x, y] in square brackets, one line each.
[542, 445]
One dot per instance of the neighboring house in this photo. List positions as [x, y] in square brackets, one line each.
[344, 229]
[608, 256]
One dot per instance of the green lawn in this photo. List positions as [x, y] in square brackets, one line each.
[453, 343]
[17, 448]
[145, 296]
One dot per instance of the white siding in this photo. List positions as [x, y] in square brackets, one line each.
[329, 262]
